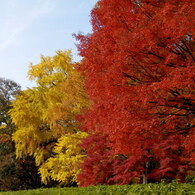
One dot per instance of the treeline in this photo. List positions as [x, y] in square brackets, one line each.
[124, 114]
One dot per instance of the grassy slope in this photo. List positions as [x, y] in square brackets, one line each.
[141, 189]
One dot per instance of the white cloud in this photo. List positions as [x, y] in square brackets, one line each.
[11, 37]
[19, 18]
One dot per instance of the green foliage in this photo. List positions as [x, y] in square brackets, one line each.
[136, 189]
[190, 179]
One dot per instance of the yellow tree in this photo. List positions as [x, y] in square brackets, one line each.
[45, 118]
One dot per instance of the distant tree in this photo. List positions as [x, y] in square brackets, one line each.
[8, 89]
[14, 174]
[8, 176]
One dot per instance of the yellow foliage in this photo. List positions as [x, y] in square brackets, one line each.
[65, 165]
[45, 118]
[3, 126]
[3, 136]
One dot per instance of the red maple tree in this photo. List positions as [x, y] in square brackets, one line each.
[139, 68]
[98, 166]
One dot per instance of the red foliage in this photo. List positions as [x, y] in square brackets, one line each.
[139, 68]
[97, 167]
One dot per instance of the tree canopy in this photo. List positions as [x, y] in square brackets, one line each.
[45, 118]
[139, 69]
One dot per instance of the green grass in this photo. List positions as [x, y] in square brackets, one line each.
[136, 189]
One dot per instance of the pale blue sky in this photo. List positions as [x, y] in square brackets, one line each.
[30, 28]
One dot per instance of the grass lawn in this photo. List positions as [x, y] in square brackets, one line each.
[136, 189]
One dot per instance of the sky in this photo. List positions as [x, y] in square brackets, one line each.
[30, 28]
